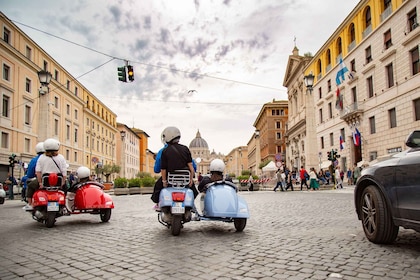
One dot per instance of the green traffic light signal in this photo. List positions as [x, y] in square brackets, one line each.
[122, 75]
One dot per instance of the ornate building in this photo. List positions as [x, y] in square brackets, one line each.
[201, 154]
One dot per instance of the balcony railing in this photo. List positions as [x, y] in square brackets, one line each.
[386, 13]
[367, 31]
[351, 110]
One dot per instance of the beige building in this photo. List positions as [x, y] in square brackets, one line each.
[128, 152]
[64, 110]
[379, 96]
[237, 161]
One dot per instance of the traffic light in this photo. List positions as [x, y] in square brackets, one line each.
[12, 160]
[130, 72]
[122, 75]
[329, 155]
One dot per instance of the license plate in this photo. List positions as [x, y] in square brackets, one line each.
[53, 206]
[178, 208]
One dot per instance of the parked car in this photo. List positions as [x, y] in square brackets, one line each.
[387, 194]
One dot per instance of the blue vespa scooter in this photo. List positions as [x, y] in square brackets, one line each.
[176, 201]
[221, 202]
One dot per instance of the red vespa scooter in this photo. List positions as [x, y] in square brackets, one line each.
[50, 202]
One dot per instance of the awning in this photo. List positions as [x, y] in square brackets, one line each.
[325, 164]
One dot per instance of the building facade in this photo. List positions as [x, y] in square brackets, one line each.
[237, 161]
[64, 110]
[367, 113]
[271, 126]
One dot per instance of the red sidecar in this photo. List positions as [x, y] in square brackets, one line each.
[50, 203]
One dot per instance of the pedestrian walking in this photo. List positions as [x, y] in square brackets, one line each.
[349, 176]
[356, 173]
[313, 183]
[280, 178]
[304, 176]
[339, 181]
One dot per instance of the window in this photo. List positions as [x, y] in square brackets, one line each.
[331, 139]
[352, 37]
[387, 4]
[28, 53]
[330, 112]
[414, 53]
[368, 17]
[278, 124]
[353, 65]
[68, 109]
[45, 65]
[368, 54]
[76, 114]
[369, 85]
[75, 135]
[67, 154]
[328, 55]
[329, 85]
[339, 49]
[390, 75]
[412, 20]
[320, 92]
[75, 156]
[6, 72]
[416, 104]
[76, 91]
[321, 119]
[5, 106]
[27, 114]
[322, 143]
[56, 75]
[28, 146]
[5, 140]
[387, 39]
[28, 85]
[56, 126]
[67, 132]
[392, 114]
[372, 125]
[56, 102]
[68, 85]
[278, 135]
[6, 35]
[354, 94]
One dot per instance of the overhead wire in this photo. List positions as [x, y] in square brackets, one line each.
[149, 64]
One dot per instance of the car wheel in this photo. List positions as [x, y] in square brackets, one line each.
[376, 217]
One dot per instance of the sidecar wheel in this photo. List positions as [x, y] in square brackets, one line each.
[240, 224]
[176, 225]
[105, 215]
[50, 220]
[1, 200]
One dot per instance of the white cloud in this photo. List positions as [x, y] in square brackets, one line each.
[245, 44]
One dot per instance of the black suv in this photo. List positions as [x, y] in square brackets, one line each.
[387, 195]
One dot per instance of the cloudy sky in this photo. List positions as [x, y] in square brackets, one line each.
[205, 65]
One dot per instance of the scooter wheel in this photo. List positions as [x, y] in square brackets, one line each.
[50, 220]
[176, 225]
[240, 224]
[105, 215]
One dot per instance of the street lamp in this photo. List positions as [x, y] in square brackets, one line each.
[45, 79]
[43, 121]
[123, 134]
[309, 82]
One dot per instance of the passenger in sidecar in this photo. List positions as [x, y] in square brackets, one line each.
[217, 167]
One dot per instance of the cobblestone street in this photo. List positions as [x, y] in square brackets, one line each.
[290, 235]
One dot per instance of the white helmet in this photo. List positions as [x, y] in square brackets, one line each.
[51, 145]
[39, 148]
[170, 133]
[82, 172]
[217, 165]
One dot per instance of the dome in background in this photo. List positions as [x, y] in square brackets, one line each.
[198, 142]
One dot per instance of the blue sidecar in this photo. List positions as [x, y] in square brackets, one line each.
[221, 202]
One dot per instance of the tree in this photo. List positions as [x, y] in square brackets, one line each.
[108, 169]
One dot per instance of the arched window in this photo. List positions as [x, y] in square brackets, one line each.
[319, 66]
[339, 47]
[352, 34]
[328, 60]
[368, 17]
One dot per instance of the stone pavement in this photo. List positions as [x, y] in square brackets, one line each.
[290, 235]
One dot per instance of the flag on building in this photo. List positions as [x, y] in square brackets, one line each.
[339, 100]
[342, 144]
[357, 137]
[342, 69]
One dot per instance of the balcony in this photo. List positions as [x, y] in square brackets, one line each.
[367, 31]
[386, 13]
[351, 111]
